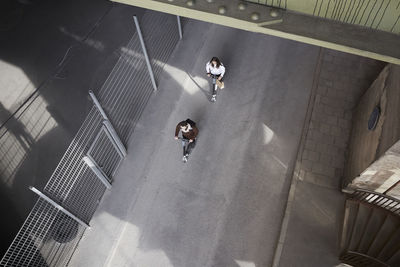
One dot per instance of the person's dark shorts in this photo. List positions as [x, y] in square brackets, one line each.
[222, 79]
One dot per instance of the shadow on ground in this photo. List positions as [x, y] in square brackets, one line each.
[51, 55]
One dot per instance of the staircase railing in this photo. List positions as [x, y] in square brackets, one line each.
[373, 201]
[358, 259]
[384, 201]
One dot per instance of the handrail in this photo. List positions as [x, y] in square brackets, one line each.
[358, 259]
[384, 201]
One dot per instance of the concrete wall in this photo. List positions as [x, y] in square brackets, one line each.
[383, 175]
[382, 15]
[366, 146]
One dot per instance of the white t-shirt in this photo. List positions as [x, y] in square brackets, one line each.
[216, 71]
[187, 128]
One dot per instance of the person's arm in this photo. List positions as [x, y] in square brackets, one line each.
[177, 129]
[222, 71]
[208, 68]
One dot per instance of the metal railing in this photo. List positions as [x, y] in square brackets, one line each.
[380, 15]
[373, 201]
[69, 200]
[384, 201]
[360, 260]
[66, 205]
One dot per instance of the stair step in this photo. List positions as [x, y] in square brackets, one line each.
[374, 224]
[351, 215]
[391, 247]
[363, 215]
[387, 230]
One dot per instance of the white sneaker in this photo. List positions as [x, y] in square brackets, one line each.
[184, 159]
[213, 98]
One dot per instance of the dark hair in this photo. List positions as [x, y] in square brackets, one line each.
[186, 122]
[192, 123]
[216, 60]
[182, 123]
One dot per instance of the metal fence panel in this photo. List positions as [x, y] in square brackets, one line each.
[105, 153]
[49, 236]
[45, 239]
[85, 195]
[71, 163]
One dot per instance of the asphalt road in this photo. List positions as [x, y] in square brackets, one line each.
[224, 207]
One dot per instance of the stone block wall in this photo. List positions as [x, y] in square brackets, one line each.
[341, 82]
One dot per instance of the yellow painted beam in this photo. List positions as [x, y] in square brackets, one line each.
[381, 15]
[243, 21]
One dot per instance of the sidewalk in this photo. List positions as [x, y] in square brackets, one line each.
[316, 204]
[224, 207]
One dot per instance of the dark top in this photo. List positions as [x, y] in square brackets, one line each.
[189, 135]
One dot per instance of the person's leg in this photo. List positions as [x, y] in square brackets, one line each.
[214, 93]
[214, 87]
[190, 147]
[184, 147]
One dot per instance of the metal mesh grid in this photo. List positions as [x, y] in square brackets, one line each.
[127, 90]
[105, 153]
[85, 195]
[61, 240]
[161, 40]
[48, 237]
[71, 163]
[43, 238]
[30, 237]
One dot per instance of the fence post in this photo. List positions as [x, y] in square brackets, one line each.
[58, 206]
[178, 18]
[139, 32]
[114, 135]
[108, 124]
[97, 170]
[97, 104]
[115, 145]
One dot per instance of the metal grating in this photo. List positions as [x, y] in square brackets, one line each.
[105, 153]
[85, 195]
[67, 170]
[48, 236]
[129, 84]
[358, 259]
[381, 15]
[384, 201]
[45, 239]
[162, 38]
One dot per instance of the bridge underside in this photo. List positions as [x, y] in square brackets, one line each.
[313, 30]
